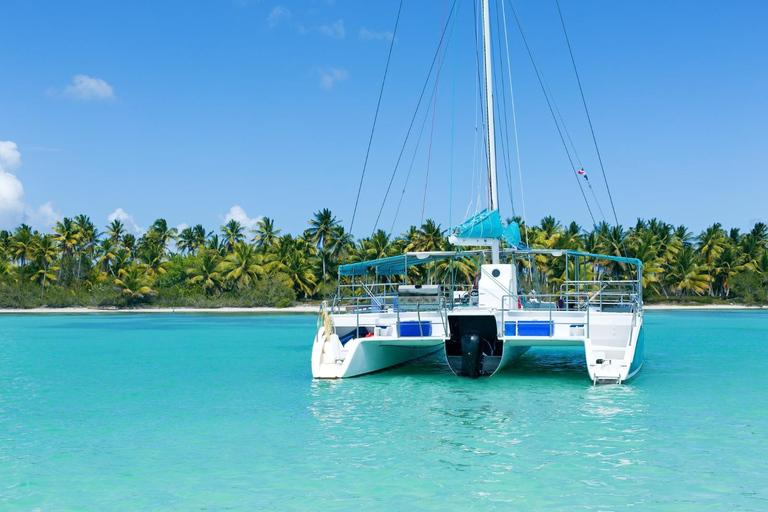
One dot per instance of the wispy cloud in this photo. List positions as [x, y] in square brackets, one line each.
[85, 88]
[335, 30]
[13, 207]
[42, 149]
[332, 76]
[372, 35]
[127, 220]
[278, 15]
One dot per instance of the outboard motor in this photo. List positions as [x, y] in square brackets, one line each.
[473, 349]
[471, 355]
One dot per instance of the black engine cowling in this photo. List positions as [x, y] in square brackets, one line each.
[473, 348]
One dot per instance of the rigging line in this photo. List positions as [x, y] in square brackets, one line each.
[453, 130]
[505, 154]
[416, 112]
[589, 184]
[474, 141]
[376, 116]
[432, 129]
[479, 121]
[514, 121]
[413, 160]
[505, 130]
[586, 110]
[535, 59]
[549, 104]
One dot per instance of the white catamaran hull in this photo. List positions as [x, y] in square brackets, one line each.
[378, 344]
[483, 342]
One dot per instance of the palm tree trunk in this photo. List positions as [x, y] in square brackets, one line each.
[45, 274]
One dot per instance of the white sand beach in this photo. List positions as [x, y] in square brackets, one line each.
[703, 306]
[80, 310]
[306, 309]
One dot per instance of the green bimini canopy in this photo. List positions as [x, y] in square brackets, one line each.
[395, 265]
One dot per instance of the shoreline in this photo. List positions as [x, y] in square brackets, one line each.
[303, 309]
[184, 310]
[702, 306]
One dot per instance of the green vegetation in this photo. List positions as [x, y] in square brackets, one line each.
[77, 265]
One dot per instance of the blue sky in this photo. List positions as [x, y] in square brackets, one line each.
[196, 111]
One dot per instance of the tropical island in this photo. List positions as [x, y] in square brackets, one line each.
[78, 265]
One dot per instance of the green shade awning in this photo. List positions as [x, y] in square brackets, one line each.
[395, 265]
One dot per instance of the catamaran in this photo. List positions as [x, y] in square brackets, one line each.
[386, 312]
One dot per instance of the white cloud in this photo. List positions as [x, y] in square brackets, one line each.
[332, 76]
[181, 227]
[334, 30]
[13, 209]
[10, 158]
[127, 220]
[239, 214]
[85, 88]
[11, 200]
[44, 217]
[278, 15]
[371, 35]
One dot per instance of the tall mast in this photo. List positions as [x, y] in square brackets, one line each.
[494, 202]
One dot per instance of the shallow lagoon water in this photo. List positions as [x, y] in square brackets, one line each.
[219, 412]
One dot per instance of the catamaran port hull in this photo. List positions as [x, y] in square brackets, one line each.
[359, 344]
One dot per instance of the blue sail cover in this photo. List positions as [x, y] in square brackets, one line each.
[511, 234]
[486, 224]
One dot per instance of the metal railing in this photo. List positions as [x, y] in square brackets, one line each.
[614, 301]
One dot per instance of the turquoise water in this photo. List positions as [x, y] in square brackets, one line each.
[195, 412]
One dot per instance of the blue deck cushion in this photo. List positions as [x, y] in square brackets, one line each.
[414, 328]
[510, 328]
[535, 328]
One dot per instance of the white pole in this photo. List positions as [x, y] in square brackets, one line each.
[494, 200]
[494, 204]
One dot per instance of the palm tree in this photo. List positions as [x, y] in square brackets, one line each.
[135, 282]
[321, 231]
[298, 268]
[68, 235]
[186, 241]
[164, 234]
[205, 272]
[711, 245]
[44, 253]
[233, 234]
[152, 252]
[199, 237]
[242, 266]
[129, 242]
[89, 235]
[429, 238]
[645, 248]
[265, 234]
[5, 240]
[378, 246]
[215, 245]
[687, 274]
[683, 235]
[726, 267]
[22, 244]
[106, 255]
[116, 230]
